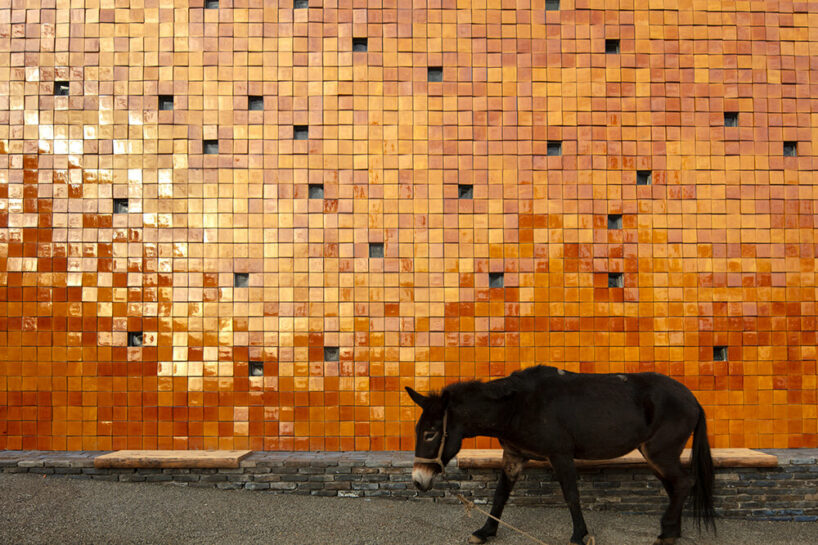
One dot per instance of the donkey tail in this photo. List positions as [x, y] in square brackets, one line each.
[705, 478]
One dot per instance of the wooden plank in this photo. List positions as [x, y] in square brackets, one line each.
[171, 458]
[722, 457]
[738, 457]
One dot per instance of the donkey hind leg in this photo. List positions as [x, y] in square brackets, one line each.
[677, 481]
[566, 474]
[512, 468]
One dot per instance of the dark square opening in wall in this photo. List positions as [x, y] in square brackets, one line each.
[134, 338]
[719, 353]
[790, 149]
[166, 102]
[360, 45]
[241, 280]
[210, 147]
[211, 4]
[731, 119]
[614, 221]
[616, 280]
[496, 280]
[612, 46]
[552, 5]
[255, 103]
[553, 148]
[120, 206]
[465, 191]
[301, 132]
[62, 88]
[255, 368]
[332, 353]
[376, 249]
[301, 4]
[434, 73]
[316, 191]
[644, 177]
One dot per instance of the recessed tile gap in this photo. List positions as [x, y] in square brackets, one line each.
[255, 103]
[165, 102]
[719, 353]
[376, 249]
[255, 368]
[614, 221]
[644, 177]
[120, 206]
[301, 4]
[301, 132]
[210, 147]
[241, 280]
[360, 45]
[434, 74]
[731, 119]
[496, 280]
[62, 88]
[554, 148]
[552, 5]
[316, 191]
[134, 338]
[612, 46]
[465, 191]
[332, 353]
[790, 149]
[211, 4]
[616, 280]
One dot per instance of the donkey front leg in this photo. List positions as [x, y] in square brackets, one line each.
[566, 474]
[512, 467]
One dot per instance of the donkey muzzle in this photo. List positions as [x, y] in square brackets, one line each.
[422, 475]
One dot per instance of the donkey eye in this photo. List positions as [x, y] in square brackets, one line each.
[429, 435]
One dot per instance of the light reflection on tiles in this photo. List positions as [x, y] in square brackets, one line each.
[716, 246]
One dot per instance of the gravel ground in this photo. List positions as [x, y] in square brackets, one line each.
[59, 510]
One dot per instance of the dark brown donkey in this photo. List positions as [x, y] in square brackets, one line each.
[546, 413]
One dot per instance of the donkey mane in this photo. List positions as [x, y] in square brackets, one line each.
[501, 388]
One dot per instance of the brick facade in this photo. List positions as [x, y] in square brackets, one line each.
[249, 224]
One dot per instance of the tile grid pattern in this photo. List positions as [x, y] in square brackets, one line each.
[122, 227]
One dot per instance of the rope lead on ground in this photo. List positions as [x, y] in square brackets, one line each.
[589, 539]
[470, 505]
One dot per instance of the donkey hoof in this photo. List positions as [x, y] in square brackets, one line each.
[665, 541]
[483, 534]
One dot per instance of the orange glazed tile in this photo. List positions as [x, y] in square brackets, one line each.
[258, 239]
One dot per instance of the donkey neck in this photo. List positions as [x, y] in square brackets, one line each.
[478, 414]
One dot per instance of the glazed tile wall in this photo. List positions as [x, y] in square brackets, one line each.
[543, 202]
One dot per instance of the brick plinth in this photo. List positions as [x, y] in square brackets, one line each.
[786, 492]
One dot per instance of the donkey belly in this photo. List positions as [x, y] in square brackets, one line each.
[595, 428]
[600, 447]
[605, 447]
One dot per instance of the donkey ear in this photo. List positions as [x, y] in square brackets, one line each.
[419, 399]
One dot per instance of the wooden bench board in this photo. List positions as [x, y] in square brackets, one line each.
[171, 458]
[722, 457]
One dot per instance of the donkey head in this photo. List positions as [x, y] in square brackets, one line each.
[437, 438]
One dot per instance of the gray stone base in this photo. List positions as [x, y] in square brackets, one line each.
[787, 492]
